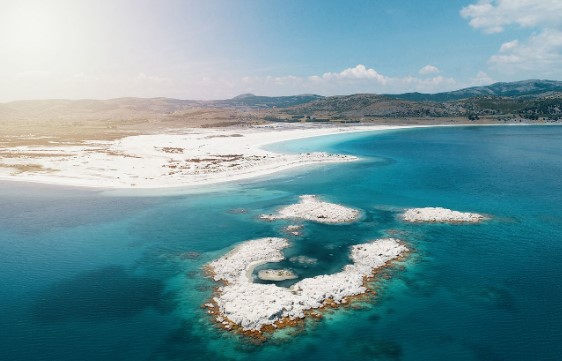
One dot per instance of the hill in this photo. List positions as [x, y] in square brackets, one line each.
[525, 88]
[256, 101]
[530, 99]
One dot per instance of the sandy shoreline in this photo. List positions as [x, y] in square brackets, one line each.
[181, 158]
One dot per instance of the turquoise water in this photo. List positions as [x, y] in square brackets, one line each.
[90, 275]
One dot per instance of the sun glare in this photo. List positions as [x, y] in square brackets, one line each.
[33, 29]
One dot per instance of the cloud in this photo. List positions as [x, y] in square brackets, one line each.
[426, 85]
[359, 72]
[284, 80]
[493, 16]
[354, 79]
[481, 78]
[368, 79]
[143, 78]
[428, 69]
[33, 74]
[85, 77]
[509, 46]
[357, 79]
[542, 52]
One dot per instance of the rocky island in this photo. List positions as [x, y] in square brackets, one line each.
[240, 304]
[440, 215]
[311, 208]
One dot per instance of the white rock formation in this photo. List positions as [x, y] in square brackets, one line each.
[276, 275]
[237, 265]
[313, 209]
[252, 306]
[441, 215]
[295, 230]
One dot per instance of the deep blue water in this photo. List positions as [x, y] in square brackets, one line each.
[92, 275]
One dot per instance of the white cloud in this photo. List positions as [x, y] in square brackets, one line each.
[493, 16]
[85, 77]
[359, 72]
[481, 78]
[425, 85]
[428, 69]
[509, 46]
[357, 79]
[284, 80]
[541, 53]
[142, 77]
[33, 74]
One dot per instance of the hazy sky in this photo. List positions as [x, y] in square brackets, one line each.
[213, 49]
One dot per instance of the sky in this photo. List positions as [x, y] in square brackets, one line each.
[217, 49]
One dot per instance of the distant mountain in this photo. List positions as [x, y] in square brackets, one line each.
[124, 108]
[525, 88]
[137, 108]
[530, 99]
[367, 105]
[256, 101]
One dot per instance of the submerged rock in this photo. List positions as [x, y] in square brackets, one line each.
[303, 260]
[276, 275]
[295, 230]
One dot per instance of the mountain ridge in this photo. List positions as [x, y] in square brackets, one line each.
[530, 99]
[530, 87]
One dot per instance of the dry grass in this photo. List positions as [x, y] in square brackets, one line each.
[27, 168]
[32, 155]
[46, 131]
[45, 122]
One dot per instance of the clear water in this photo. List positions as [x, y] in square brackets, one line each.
[88, 275]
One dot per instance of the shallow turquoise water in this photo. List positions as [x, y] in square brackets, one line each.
[88, 275]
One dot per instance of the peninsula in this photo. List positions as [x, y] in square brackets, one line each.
[162, 142]
[177, 157]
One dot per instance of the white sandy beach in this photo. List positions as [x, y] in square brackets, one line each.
[179, 158]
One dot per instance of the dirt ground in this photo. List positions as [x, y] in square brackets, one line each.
[38, 131]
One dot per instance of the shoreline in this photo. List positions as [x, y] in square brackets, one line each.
[186, 158]
[152, 161]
